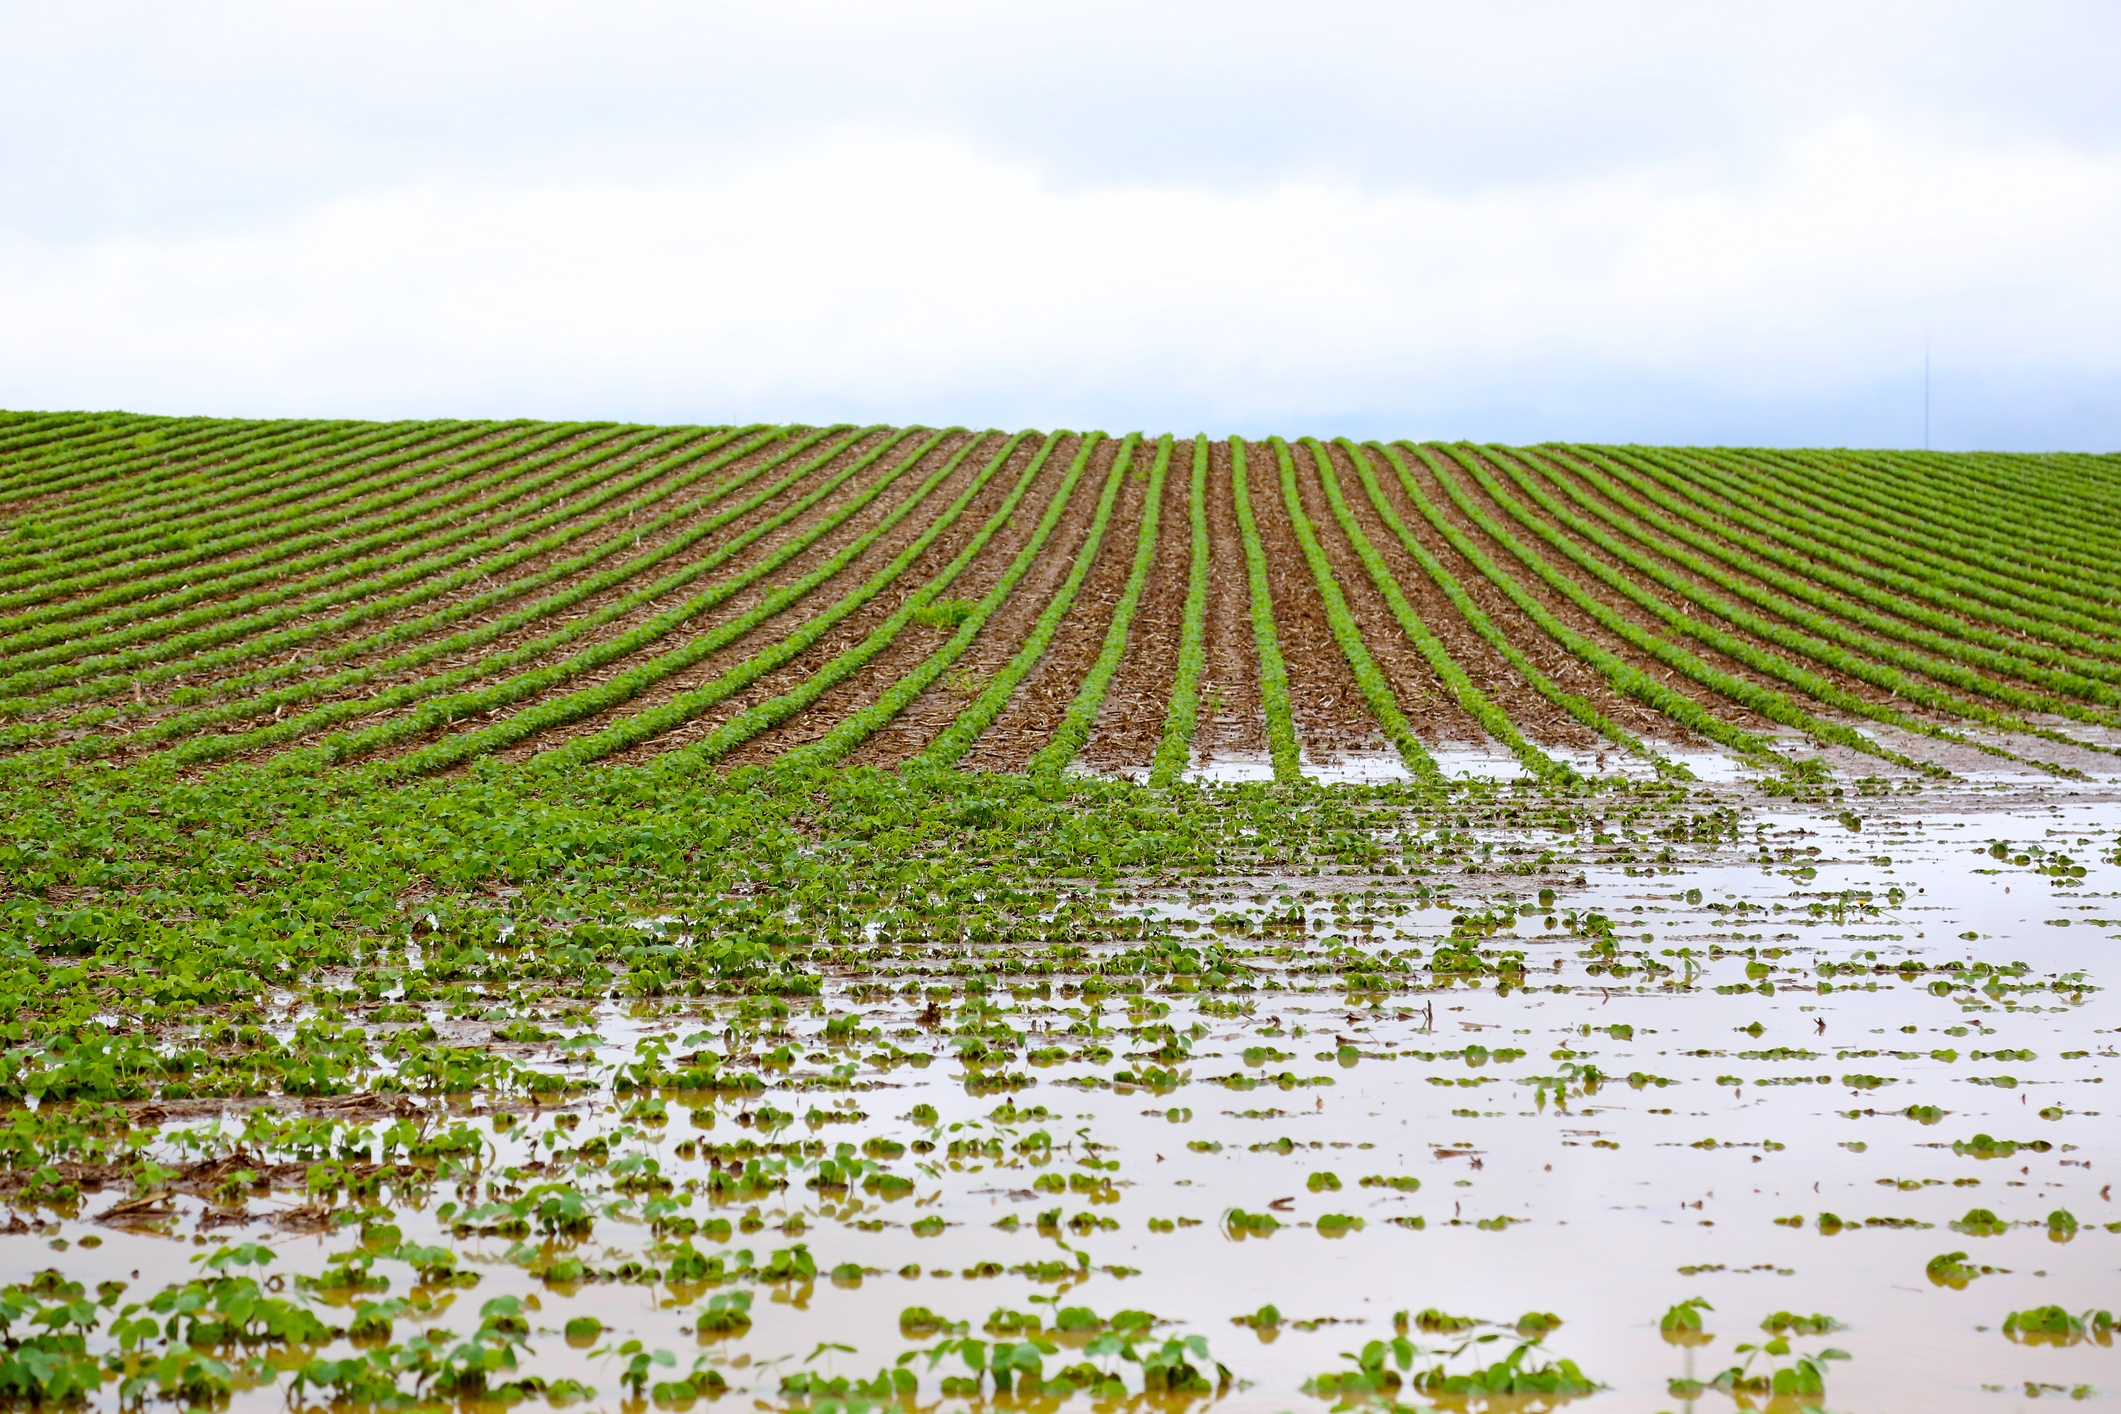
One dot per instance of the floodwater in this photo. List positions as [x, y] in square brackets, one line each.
[1762, 1102]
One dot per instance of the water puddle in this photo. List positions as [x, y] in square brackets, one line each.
[1844, 1059]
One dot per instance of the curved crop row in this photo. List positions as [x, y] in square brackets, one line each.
[588, 701]
[1952, 572]
[686, 707]
[1576, 706]
[1369, 679]
[1476, 704]
[1074, 730]
[1795, 674]
[271, 474]
[1907, 622]
[336, 580]
[75, 453]
[320, 549]
[407, 459]
[979, 714]
[865, 722]
[196, 656]
[1864, 567]
[486, 632]
[185, 591]
[100, 462]
[2062, 548]
[22, 434]
[119, 472]
[1624, 676]
[232, 482]
[1769, 703]
[1874, 661]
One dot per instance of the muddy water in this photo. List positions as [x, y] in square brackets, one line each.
[1604, 1204]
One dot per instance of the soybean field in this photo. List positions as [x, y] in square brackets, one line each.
[865, 918]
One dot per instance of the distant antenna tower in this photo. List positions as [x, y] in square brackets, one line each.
[1925, 394]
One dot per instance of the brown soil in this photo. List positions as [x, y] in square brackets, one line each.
[849, 632]
[1638, 717]
[1558, 471]
[355, 524]
[152, 704]
[143, 703]
[1231, 722]
[844, 581]
[640, 613]
[1534, 715]
[1041, 701]
[1427, 703]
[915, 641]
[931, 713]
[1331, 715]
[1709, 698]
[133, 490]
[1130, 723]
[1855, 687]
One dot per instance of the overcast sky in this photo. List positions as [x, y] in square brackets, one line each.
[1513, 221]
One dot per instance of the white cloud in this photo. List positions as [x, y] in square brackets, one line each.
[867, 273]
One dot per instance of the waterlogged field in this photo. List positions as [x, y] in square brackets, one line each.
[832, 919]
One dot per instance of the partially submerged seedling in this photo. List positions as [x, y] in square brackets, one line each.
[1238, 1224]
[1953, 1270]
[1788, 1373]
[1683, 1324]
[1980, 1222]
[2053, 1325]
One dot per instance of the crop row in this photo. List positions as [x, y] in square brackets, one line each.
[1369, 678]
[248, 688]
[689, 706]
[1282, 748]
[197, 515]
[1182, 716]
[337, 686]
[1074, 729]
[585, 702]
[1884, 598]
[1883, 664]
[1734, 646]
[434, 593]
[194, 646]
[1950, 581]
[1482, 623]
[1477, 704]
[66, 629]
[859, 725]
[373, 474]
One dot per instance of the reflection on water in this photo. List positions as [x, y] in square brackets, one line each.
[1757, 1081]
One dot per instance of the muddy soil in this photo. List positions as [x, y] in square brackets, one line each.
[932, 712]
[1231, 721]
[1130, 723]
[1042, 699]
[1331, 716]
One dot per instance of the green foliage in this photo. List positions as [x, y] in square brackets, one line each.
[1273, 668]
[1369, 678]
[1074, 729]
[1181, 717]
[2052, 1325]
[980, 713]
